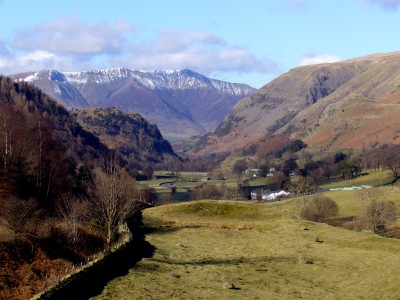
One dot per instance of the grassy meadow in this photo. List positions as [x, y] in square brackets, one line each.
[240, 250]
[372, 178]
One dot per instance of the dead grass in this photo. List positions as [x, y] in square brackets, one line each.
[200, 246]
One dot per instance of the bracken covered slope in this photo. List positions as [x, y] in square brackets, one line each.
[337, 105]
[136, 139]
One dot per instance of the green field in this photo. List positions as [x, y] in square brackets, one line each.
[237, 250]
[372, 178]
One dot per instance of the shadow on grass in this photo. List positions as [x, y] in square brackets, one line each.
[91, 281]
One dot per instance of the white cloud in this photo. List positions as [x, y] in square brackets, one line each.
[36, 60]
[170, 40]
[319, 59]
[204, 58]
[73, 37]
[387, 5]
[70, 44]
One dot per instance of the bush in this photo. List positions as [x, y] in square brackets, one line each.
[319, 208]
[22, 216]
[207, 191]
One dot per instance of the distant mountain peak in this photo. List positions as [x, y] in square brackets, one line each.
[182, 103]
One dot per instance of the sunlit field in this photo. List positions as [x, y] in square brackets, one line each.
[237, 250]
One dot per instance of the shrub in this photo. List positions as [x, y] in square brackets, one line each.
[319, 208]
[23, 216]
[207, 191]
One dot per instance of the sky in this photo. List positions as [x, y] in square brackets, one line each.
[243, 41]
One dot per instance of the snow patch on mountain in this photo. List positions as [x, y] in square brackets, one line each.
[31, 78]
[158, 80]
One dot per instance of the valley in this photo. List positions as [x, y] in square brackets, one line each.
[182, 103]
[84, 155]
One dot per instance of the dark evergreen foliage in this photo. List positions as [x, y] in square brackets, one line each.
[293, 147]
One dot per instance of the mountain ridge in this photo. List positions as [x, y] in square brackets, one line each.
[313, 103]
[182, 103]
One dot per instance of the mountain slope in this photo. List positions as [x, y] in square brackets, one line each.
[345, 104]
[135, 138]
[182, 103]
[56, 85]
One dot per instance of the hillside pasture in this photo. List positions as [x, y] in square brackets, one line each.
[238, 250]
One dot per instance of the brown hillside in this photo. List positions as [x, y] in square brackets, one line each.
[345, 104]
[137, 140]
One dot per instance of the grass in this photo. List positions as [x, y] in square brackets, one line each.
[372, 178]
[201, 246]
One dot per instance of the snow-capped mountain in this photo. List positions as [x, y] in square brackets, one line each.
[182, 103]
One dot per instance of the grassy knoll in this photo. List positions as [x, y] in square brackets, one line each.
[204, 247]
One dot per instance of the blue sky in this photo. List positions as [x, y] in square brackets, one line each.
[251, 41]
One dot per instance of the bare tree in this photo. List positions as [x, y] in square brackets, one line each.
[207, 191]
[112, 198]
[232, 193]
[74, 212]
[377, 212]
[392, 159]
[11, 121]
[306, 185]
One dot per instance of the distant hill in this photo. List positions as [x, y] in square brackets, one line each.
[182, 103]
[82, 136]
[135, 138]
[337, 105]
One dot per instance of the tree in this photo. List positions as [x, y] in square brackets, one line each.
[310, 166]
[84, 174]
[148, 172]
[112, 198]
[328, 166]
[74, 212]
[377, 212]
[348, 170]
[232, 193]
[339, 156]
[259, 194]
[306, 185]
[239, 167]
[289, 165]
[392, 159]
[207, 191]
[276, 181]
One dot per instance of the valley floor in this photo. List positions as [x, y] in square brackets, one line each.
[236, 250]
